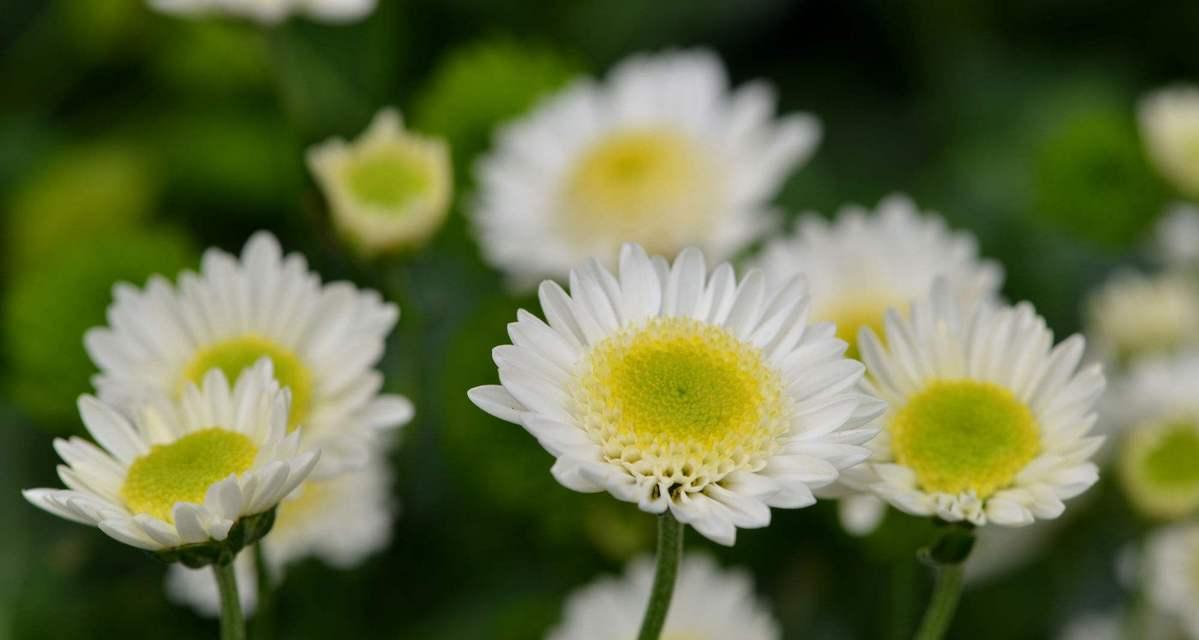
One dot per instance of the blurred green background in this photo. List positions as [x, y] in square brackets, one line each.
[129, 141]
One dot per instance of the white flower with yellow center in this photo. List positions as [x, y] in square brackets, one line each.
[987, 420]
[389, 189]
[709, 603]
[340, 521]
[181, 473]
[270, 11]
[1177, 236]
[1156, 411]
[684, 391]
[323, 341]
[1169, 120]
[1171, 575]
[661, 154]
[867, 262]
[1134, 315]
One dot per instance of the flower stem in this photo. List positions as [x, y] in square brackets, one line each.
[265, 612]
[233, 625]
[670, 554]
[947, 556]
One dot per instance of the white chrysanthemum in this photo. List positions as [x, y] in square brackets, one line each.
[864, 263]
[987, 420]
[1171, 575]
[1155, 411]
[181, 473]
[1095, 626]
[1177, 236]
[340, 520]
[709, 603]
[323, 341]
[1169, 121]
[684, 391]
[270, 11]
[1135, 315]
[389, 189]
[662, 153]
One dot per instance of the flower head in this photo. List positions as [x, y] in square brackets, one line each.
[181, 473]
[1169, 121]
[661, 154]
[389, 189]
[684, 391]
[987, 420]
[1171, 575]
[1134, 316]
[709, 604]
[866, 262]
[322, 340]
[270, 11]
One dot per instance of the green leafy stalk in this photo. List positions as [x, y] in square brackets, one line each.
[233, 624]
[670, 554]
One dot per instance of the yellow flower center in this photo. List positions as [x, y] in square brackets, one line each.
[235, 355]
[1159, 467]
[389, 177]
[854, 312]
[681, 400]
[964, 435]
[651, 186]
[183, 470]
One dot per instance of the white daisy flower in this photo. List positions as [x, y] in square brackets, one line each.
[1171, 575]
[323, 341]
[662, 153]
[709, 603]
[389, 189]
[340, 521]
[1156, 411]
[182, 473]
[1169, 120]
[987, 421]
[867, 262]
[1095, 626]
[1134, 315]
[684, 391]
[1177, 236]
[270, 11]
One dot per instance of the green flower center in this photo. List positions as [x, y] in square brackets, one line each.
[389, 177]
[1159, 466]
[964, 435]
[236, 355]
[183, 470]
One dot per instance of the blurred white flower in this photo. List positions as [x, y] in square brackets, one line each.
[340, 521]
[709, 603]
[388, 190]
[1177, 236]
[1169, 120]
[1095, 626]
[684, 391]
[270, 11]
[1133, 316]
[866, 262]
[322, 340]
[662, 153]
[1171, 575]
[181, 473]
[988, 421]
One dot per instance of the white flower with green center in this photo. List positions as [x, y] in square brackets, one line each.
[185, 472]
[270, 12]
[709, 603]
[1134, 316]
[388, 190]
[684, 391]
[1169, 120]
[987, 420]
[662, 153]
[1155, 409]
[1171, 575]
[339, 521]
[864, 263]
[322, 340]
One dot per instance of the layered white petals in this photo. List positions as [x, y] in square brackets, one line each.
[255, 407]
[709, 603]
[1134, 316]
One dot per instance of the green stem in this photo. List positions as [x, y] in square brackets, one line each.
[265, 613]
[233, 625]
[944, 602]
[670, 554]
